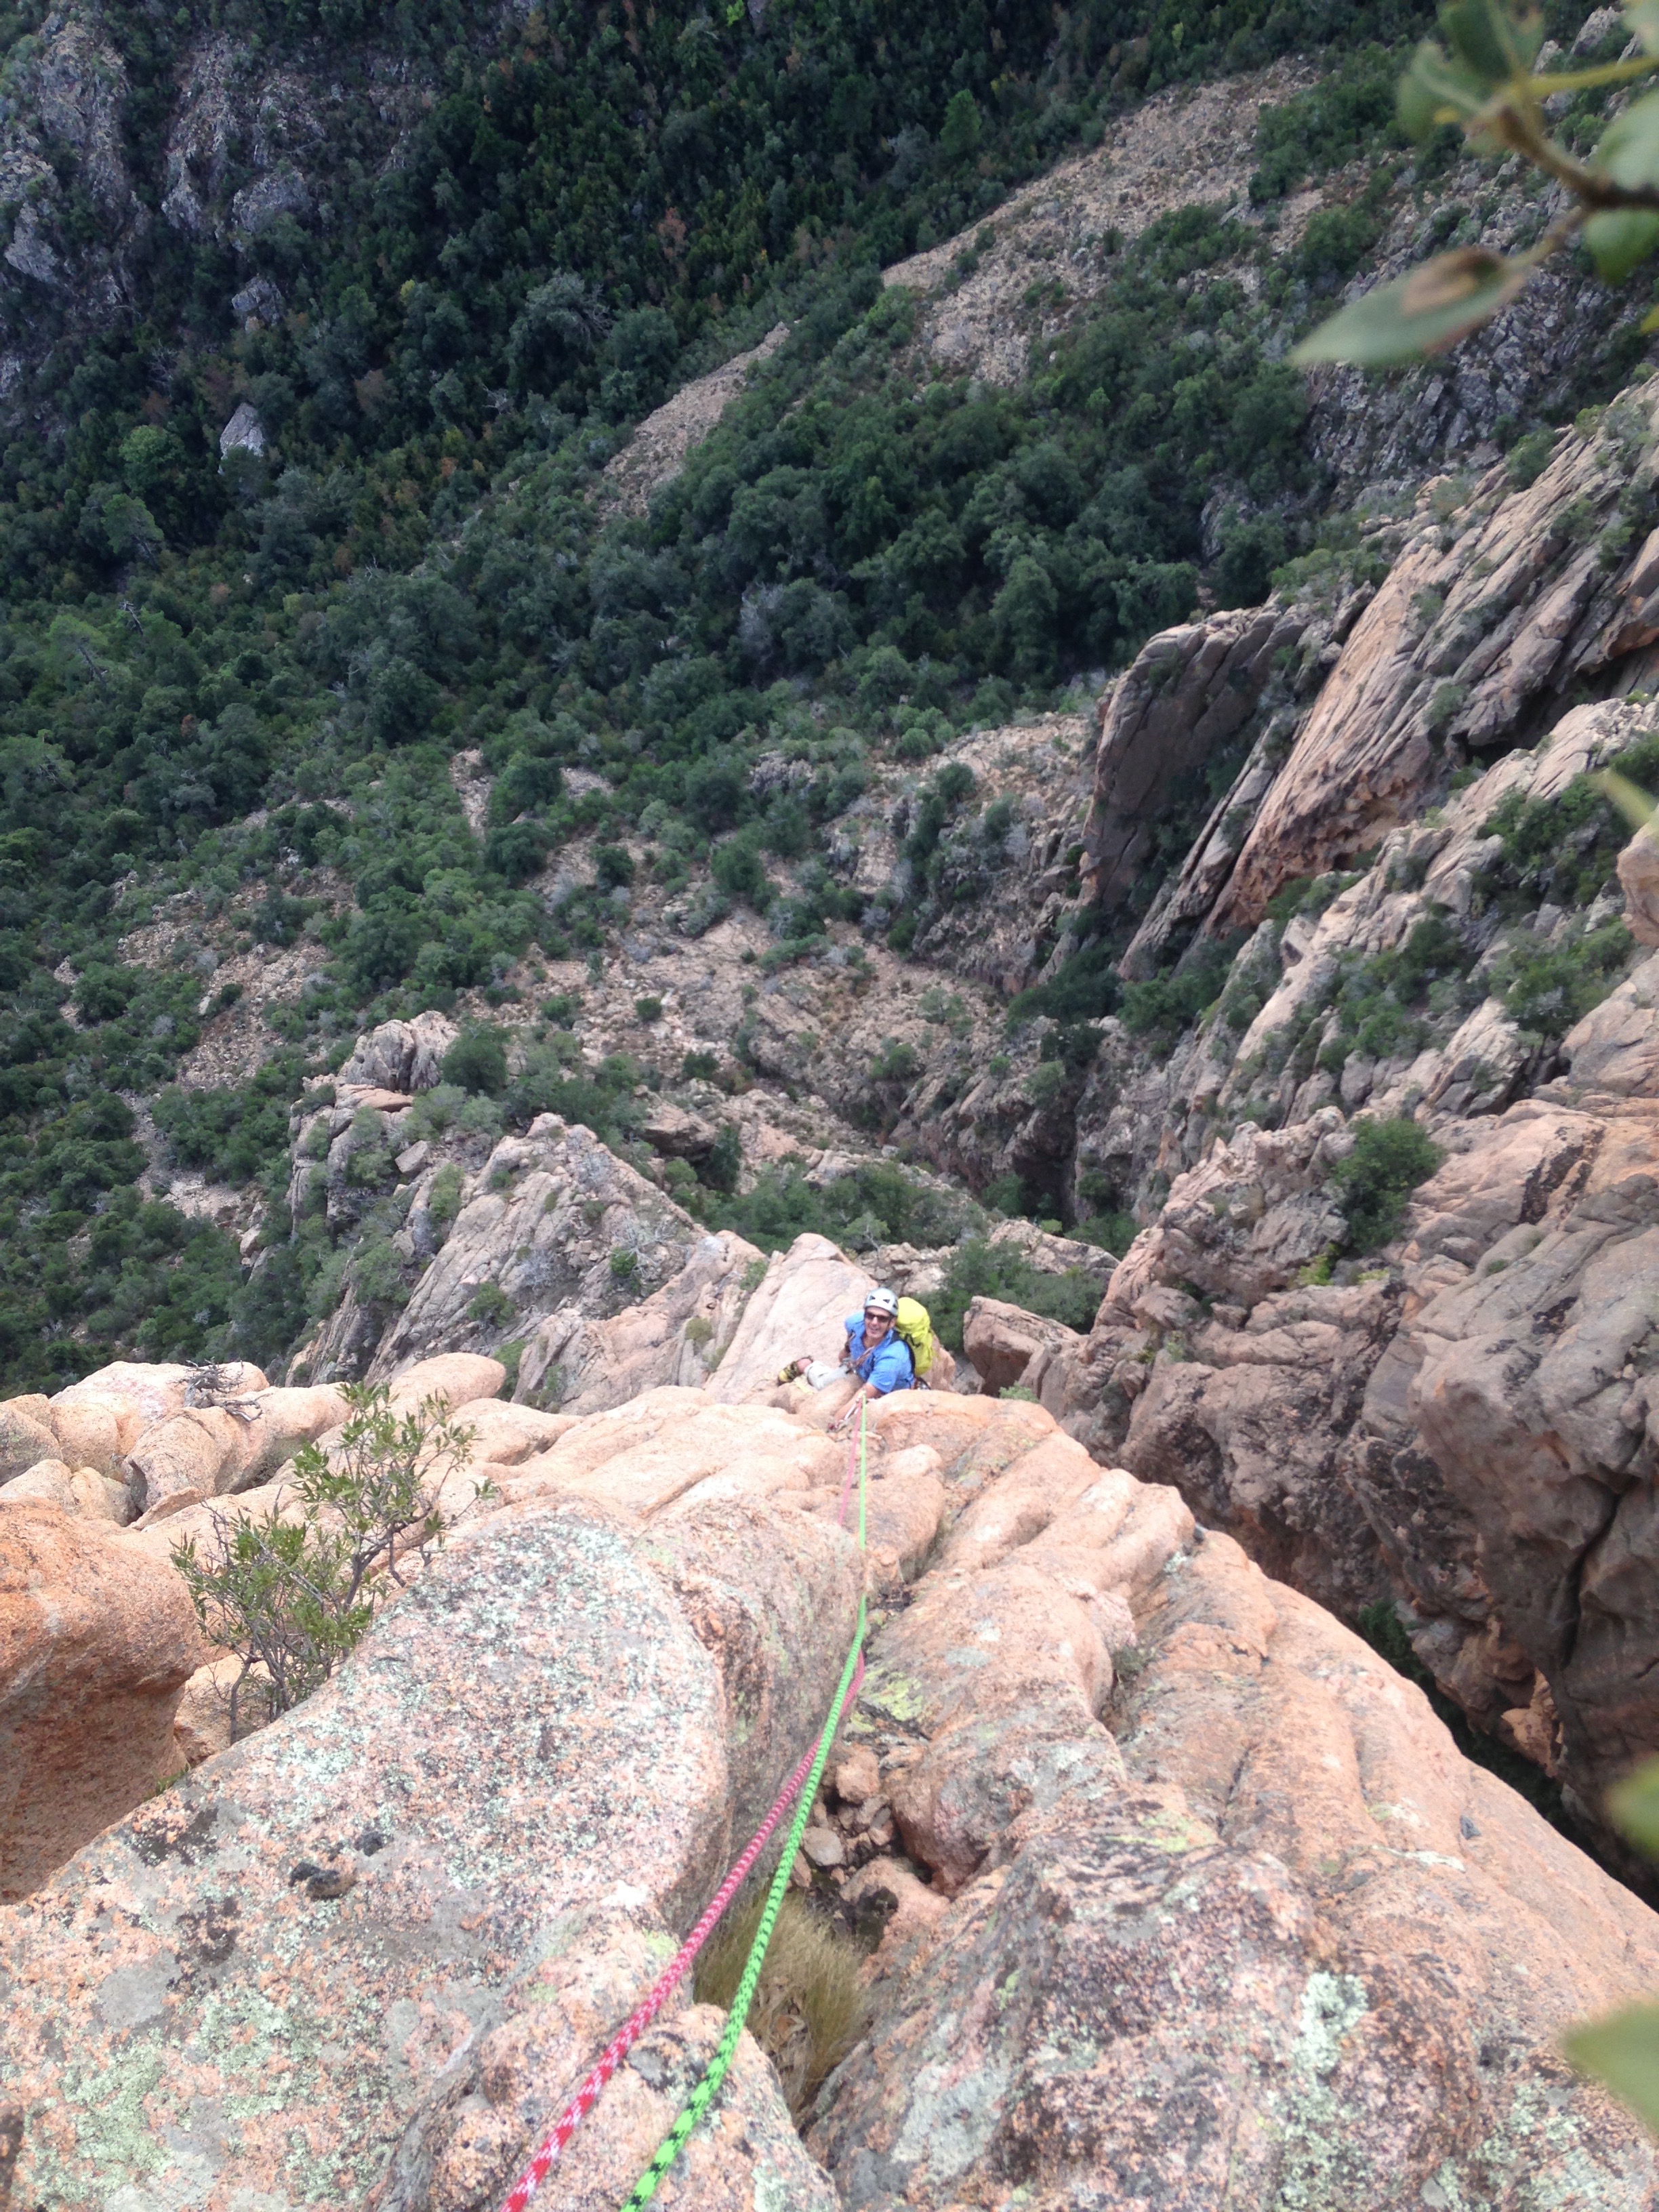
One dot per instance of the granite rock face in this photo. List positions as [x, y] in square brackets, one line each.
[674, 1336]
[1189, 690]
[798, 1307]
[1244, 1929]
[341, 1948]
[1466, 1427]
[96, 1643]
[400, 1057]
[1181, 1891]
[555, 1223]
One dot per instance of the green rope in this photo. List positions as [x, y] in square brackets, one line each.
[708, 2087]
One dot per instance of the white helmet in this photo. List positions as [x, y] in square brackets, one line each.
[881, 1302]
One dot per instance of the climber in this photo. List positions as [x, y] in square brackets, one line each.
[876, 1352]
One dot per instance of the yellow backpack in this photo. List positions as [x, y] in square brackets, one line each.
[914, 1325]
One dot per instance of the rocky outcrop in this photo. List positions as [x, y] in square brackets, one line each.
[1010, 1348]
[1189, 692]
[399, 1057]
[1178, 1966]
[1509, 1416]
[644, 1701]
[96, 1642]
[679, 1334]
[1497, 603]
[1080, 1718]
[798, 1308]
[1464, 1427]
[151, 1442]
[554, 1234]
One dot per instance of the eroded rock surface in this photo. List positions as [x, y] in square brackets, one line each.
[1177, 1885]
[1246, 1929]
[530, 1774]
[96, 1642]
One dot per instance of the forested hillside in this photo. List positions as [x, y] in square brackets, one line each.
[436, 264]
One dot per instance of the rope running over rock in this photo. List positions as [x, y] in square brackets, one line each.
[809, 1772]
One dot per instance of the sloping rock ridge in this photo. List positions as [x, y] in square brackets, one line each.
[1185, 1895]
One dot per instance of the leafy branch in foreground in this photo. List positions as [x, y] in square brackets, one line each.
[1488, 83]
[1623, 2050]
[290, 1592]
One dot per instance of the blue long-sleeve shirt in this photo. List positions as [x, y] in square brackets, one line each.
[888, 1365]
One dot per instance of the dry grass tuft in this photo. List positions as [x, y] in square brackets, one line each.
[810, 2008]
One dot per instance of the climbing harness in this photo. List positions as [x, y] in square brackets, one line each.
[802, 1786]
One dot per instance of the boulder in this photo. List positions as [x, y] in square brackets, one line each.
[185, 1518]
[441, 1884]
[454, 1378]
[285, 1420]
[138, 1395]
[673, 1445]
[100, 1496]
[202, 1451]
[502, 1434]
[676, 1134]
[1050, 1254]
[88, 1434]
[799, 1307]
[48, 1482]
[1007, 1344]
[96, 1641]
[202, 1725]
[400, 1056]
[26, 1437]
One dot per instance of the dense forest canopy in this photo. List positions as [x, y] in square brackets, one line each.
[215, 668]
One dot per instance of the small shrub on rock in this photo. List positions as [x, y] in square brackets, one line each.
[490, 1305]
[291, 1596]
[443, 1201]
[979, 1269]
[1387, 1162]
[478, 1062]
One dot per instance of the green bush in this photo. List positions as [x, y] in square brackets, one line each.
[232, 1135]
[290, 1598]
[476, 1061]
[1546, 989]
[877, 1204]
[1160, 1008]
[1389, 1159]
[490, 1306]
[979, 1269]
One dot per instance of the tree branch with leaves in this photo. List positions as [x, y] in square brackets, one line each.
[1486, 79]
[291, 1592]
